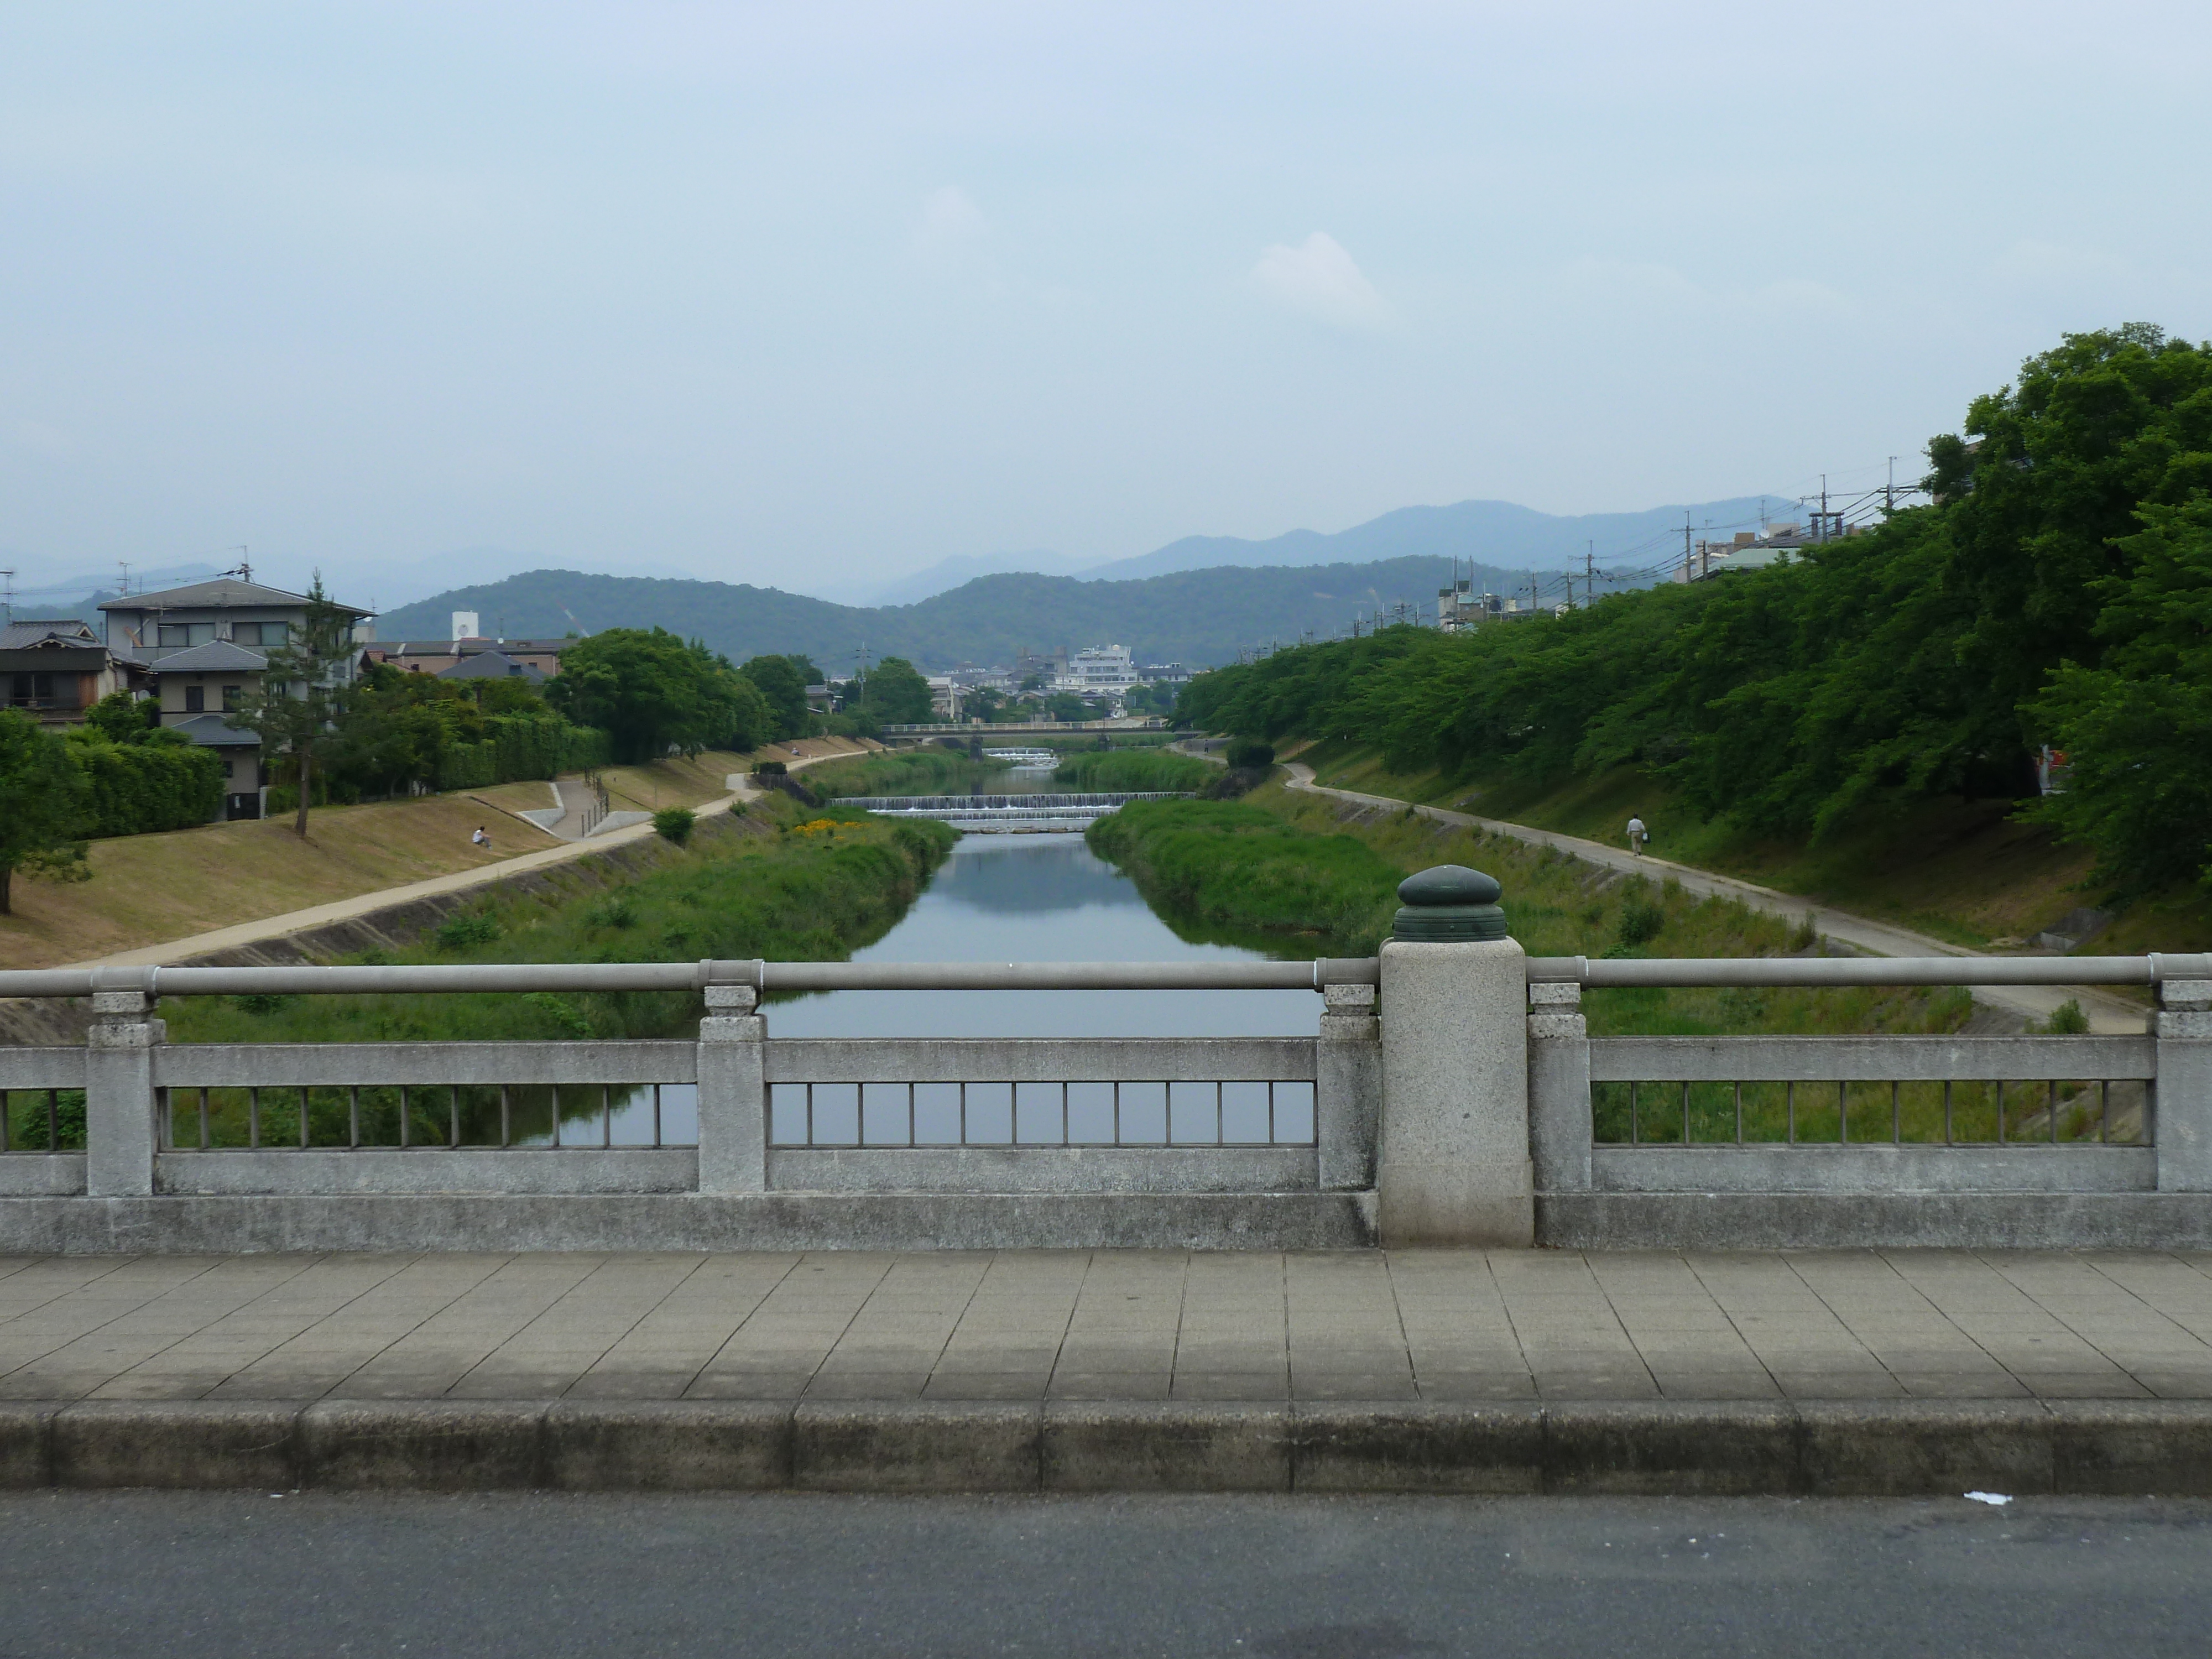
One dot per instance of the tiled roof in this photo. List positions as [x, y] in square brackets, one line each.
[209, 731]
[215, 656]
[70, 634]
[223, 590]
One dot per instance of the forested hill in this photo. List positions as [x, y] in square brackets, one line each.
[2058, 593]
[1196, 616]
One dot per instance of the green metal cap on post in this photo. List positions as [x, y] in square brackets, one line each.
[1448, 904]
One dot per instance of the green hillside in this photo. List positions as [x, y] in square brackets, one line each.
[1201, 617]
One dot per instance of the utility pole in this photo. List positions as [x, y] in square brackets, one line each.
[1889, 490]
[1823, 536]
[1686, 545]
[1589, 574]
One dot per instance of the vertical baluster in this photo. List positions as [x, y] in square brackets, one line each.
[1271, 1111]
[1843, 1114]
[1896, 1114]
[406, 1115]
[655, 1087]
[1789, 1105]
[1218, 1131]
[353, 1116]
[1634, 1136]
[1947, 1111]
[606, 1116]
[963, 1113]
[306, 1097]
[1063, 1112]
[810, 1112]
[2001, 1123]
[1117, 1111]
[1739, 1112]
[2104, 1110]
[910, 1113]
[254, 1118]
[453, 1115]
[2054, 1111]
[7, 1120]
[506, 1117]
[1686, 1111]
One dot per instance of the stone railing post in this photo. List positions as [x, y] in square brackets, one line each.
[1347, 1087]
[118, 1095]
[1559, 1087]
[732, 1093]
[1453, 1166]
[2181, 1099]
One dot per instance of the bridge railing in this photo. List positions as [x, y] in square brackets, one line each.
[1447, 1087]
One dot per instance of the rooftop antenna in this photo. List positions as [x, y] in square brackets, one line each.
[126, 575]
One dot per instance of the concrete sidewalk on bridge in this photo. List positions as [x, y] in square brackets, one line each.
[1869, 1371]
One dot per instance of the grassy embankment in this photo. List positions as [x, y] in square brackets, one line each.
[776, 881]
[1319, 878]
[146, 889]
[1137, 770]
[1962, 872]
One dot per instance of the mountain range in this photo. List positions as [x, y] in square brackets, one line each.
[1501, 534]
[1198, 618]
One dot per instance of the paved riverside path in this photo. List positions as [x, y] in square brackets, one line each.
[2106, 1012]
[1441, 1326]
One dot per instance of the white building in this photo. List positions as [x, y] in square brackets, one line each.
[1109, 669]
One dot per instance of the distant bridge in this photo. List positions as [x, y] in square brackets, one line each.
[1009, 815]
[1024, 728]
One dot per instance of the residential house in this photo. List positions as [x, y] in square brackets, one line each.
[54, 670]
[206, 647]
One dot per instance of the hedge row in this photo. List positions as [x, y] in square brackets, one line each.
[137, 788]
[522, 746]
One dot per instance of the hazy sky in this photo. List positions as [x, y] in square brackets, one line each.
[809, 295]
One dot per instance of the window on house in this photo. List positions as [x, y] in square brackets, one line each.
[262, 634]
[234, 699]
[186, 633]
[30, 689]
[195, 700]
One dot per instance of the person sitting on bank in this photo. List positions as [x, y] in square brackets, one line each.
[481, 838]
[1638, 835]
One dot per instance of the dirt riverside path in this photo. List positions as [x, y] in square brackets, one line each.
[2106, 1012]
[295, 922]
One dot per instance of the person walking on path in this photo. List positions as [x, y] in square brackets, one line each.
[1638, 835]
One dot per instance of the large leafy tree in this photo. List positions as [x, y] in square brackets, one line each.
[2137, 730]
[896, 694]
[42, 805]
[653, 693]
[782, 681]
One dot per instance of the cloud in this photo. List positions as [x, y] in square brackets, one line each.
[1318, 279]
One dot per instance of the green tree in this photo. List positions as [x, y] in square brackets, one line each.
[782, 681]
[121, 717]
[2137, 731]
[653, 693]
[896, 694]
[42, 805]
[303, 691]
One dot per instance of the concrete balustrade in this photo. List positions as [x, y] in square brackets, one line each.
[1446, 1097]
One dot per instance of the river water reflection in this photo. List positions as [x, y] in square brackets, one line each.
[1041, 898]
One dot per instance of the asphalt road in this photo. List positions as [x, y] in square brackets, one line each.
[147, 1573]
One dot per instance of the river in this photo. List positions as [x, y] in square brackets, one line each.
[1040, 898]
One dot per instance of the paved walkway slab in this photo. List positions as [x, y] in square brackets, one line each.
[1115, 1326]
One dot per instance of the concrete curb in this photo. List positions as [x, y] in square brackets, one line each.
[1886, 1447]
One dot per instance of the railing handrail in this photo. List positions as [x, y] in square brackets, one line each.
[1083, 976]
[697, 975]
[2152, 970]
